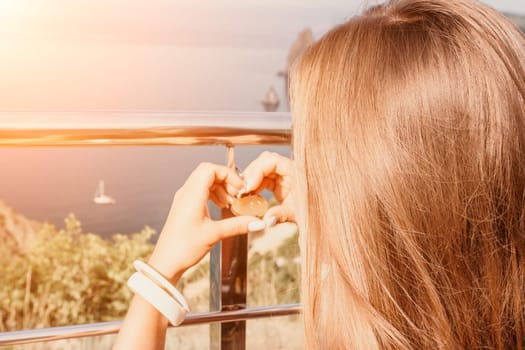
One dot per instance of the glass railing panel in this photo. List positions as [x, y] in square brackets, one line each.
[72, 272]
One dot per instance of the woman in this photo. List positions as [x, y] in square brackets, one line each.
[410, 117]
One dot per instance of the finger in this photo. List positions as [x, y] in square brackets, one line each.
[268, 163]
[282, 188]
[267, 183]
[235, 226]
[207, 174]
[233, 190]
[279, 213]
[218, 202]
[214, 173]
[222, 195]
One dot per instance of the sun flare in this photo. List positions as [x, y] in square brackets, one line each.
[10, 7]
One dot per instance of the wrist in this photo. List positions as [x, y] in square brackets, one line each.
[150, 312]
[159, 292]
[172, 272]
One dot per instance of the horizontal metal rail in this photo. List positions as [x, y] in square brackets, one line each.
[104, 328]
[136, 128]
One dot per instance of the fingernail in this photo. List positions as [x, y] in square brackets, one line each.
[244, 190]
[256, 226]
[229, 199]
[248, 187]
[239, 172]
[270, 221]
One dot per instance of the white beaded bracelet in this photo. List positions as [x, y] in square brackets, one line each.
[162, 282]
[157, 297]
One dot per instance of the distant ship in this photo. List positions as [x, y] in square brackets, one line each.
[271, 100]
[100, 197]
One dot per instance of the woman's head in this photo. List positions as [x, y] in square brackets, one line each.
[409, 137]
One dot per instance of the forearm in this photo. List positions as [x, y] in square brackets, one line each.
[143, 328]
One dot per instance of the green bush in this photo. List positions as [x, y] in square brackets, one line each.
[68, 277]
[273, 277]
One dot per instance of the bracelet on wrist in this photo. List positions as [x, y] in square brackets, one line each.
[159, 292]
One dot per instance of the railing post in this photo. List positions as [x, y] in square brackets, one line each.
[215, 294]
[228, 275]
[228, 286]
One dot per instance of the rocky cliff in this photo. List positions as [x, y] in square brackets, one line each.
[16, 229]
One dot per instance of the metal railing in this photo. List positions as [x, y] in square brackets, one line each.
[228, 260]
[103, 128]
[105, 328]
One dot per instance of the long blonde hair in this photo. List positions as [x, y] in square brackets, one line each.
[409, 140]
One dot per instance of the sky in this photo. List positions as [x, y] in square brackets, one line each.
[156, 54]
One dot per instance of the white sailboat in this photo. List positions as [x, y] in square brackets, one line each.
[100, 197]
[271, 100]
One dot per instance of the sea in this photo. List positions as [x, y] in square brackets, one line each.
[49, 183]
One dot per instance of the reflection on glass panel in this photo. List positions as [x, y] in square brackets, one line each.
[275, 333]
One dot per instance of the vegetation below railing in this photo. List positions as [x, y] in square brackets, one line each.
[67, 276]
[60, 276]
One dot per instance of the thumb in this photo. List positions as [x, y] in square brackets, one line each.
[238, 225]
[278, 213]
